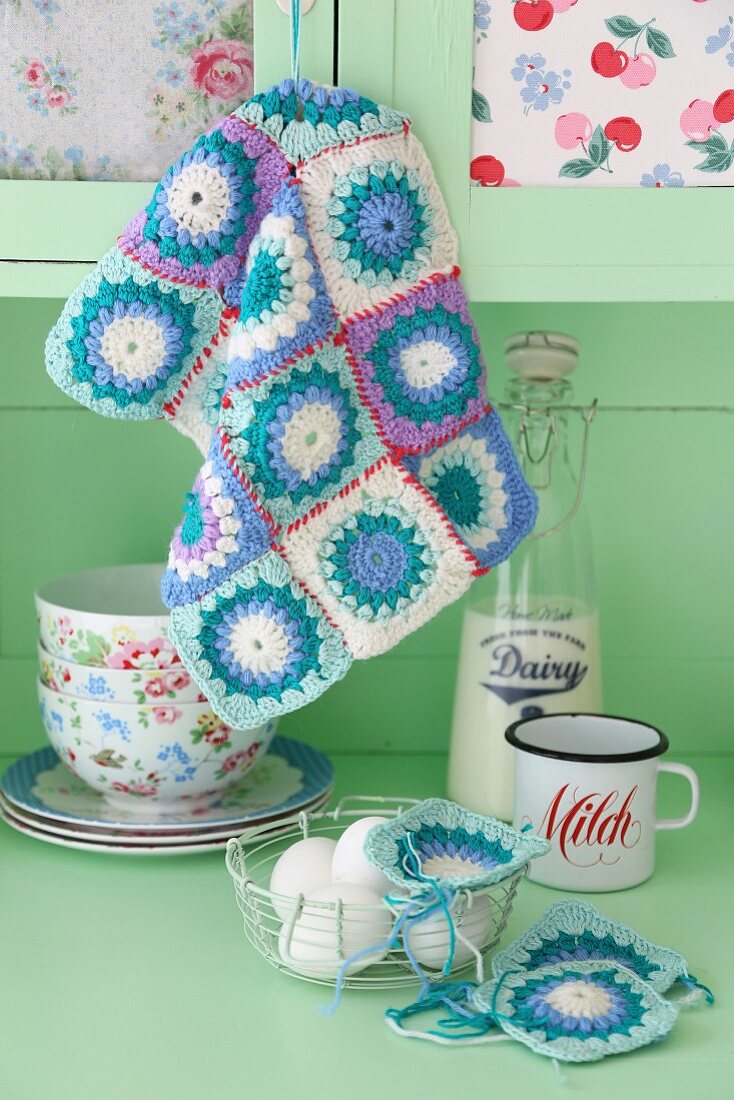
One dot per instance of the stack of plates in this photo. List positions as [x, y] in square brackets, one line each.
[40, 797]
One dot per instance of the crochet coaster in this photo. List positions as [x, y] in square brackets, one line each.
[356, 479]
[574, 931]
[443, 842]
[577, 1011]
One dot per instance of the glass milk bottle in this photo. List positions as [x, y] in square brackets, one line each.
[530, 641]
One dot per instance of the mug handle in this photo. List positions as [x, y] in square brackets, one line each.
[690, 775]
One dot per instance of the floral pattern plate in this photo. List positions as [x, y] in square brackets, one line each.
[150, 849]
[127, 837]
[291, 776]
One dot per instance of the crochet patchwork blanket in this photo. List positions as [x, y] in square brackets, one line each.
[290, 299]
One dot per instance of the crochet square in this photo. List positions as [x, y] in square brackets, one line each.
[574, 931]
[420, 364]
[378, 221]
[380, 558]
[442, 841]
[206, 209]
[301, 434]
[258, 645]
[284, 306]
[476, 479]
[317, 117]
[577, 1012]
[223, 529]
[194, 408]
[126, 339]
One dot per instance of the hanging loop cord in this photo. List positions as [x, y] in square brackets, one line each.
[295, 41]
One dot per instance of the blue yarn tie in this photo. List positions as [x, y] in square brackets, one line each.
[295, 40]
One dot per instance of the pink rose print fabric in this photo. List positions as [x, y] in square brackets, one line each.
[116, 89]
[597, 93]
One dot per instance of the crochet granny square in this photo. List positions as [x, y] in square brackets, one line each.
[420, 365]
[577, 1012]
[380, 559]
[475, 478]
[260, 643]
[377, 220]
[302, 434]
[574, 931]
[222, 530]
[284, 306]
[198, 225]
[442, 841]
[125, 339]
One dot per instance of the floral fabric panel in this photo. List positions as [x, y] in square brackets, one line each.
[125, 97]
[575, 92]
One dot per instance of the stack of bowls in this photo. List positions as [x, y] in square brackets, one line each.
[118, 706]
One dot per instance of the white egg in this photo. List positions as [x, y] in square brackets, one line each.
[302, 868]
[350, 864]
[429, 939]
[313, 947]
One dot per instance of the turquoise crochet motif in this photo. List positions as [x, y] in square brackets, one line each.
[289, 298]
[453, 847]
[574, 931]
[577, 1012]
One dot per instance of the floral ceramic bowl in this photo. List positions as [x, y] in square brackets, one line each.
[107, 618]
[119, 684]
[143, 754]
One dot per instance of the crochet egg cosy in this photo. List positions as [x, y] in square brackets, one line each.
[290, 299]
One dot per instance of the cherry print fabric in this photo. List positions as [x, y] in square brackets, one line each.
[596, 93]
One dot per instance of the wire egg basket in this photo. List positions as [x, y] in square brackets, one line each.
[285, 930]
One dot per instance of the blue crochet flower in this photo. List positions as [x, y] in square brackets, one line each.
[260, 641]
[129, 339]
[381, 221]
[578, 1004]
[378, 562]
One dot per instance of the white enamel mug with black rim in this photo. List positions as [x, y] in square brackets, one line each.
[587, 784]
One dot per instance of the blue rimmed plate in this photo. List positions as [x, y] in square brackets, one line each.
[290, 777]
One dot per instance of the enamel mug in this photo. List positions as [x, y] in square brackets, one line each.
[586, 783]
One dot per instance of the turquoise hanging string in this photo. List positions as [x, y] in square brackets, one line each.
[295, 42]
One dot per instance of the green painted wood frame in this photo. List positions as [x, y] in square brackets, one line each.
[530, 244]
[517, 244]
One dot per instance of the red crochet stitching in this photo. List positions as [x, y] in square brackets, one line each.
[465, 422]
[359, 383]
[317, 509]
[406, 474]
[403, 296]
[228, 314]
[231, 459]
[130, 253]
[302, 585]
[253, 126]
[362, 139]
[254, 383]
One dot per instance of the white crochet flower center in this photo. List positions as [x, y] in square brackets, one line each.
[259, 644]
[426, 363]
[199, 198]
[133, 346]
[579, 999]
[310, 438]
[449, 866]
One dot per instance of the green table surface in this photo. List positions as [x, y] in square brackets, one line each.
[127, 977]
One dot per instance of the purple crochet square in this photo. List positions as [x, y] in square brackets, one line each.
[419, 364]
[206, 209]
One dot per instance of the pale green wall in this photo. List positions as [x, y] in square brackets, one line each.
[82, 491]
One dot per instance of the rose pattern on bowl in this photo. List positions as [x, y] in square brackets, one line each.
[273, 782]
[663, 68]
[149, 752]
[122, 685]
[188, 64]
[121, 650]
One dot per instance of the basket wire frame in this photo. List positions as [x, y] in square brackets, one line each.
[250, 859]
